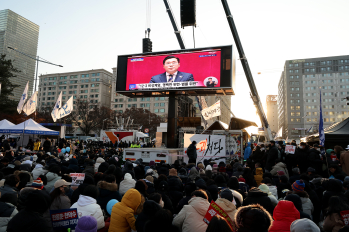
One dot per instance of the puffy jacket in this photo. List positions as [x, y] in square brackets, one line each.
[37, 146]
[87, 206]
[247, 151]
[284, 214]
[122, 216]
[228, 207]
[259, 176]
[107, 191]
[51, 180]
[190, 218]
[7, 211]
[257, 196]
[98, 162]
[38, 170]
[127, 184]
[279, 167]
[271, 157]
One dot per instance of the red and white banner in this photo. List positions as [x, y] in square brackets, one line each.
[290, 149]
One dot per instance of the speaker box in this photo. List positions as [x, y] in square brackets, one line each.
[188, 13]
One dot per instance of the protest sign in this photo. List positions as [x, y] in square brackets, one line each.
[290, 149]
[345, 216]
[64, 218]
[77, 178]
[215, 209]
[207, 146]
[212, 111]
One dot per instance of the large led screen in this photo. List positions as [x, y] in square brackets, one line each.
[176, 70]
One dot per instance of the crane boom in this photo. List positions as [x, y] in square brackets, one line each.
[247, 70]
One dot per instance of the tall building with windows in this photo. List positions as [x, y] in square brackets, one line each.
[299, 89]
[23, 35]
[92, 85]
[272, 112]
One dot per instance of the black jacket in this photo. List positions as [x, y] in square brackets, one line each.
[107, 192]
[272, 156]
[149, 210]
[256, 196]
[315, 160]
[191, 152]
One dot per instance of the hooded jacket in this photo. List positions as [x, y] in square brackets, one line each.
[87, 206]
[98, 162]
[259, 176]
[228, 207]
[257, 196]
[307, 205]
[193, 174]
[190, 218]
[247, 151]
[107, 191]
[279, 167]
[51, 180]
[304, 225]
[122, 216]
[149, 210]
[73, 164]
[284, 214]
[127, 184]
[7, 211]
[38, 170]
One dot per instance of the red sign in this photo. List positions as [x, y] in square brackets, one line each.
[215, 209]
[146, 130]
[345, 216]
[290, 149]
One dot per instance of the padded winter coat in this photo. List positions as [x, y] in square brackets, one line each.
[284, 214]
[126, 184]
[38, 170]
[256, 196]
[190, 218]
[98, 162]
[87, 206]
[107, 191]
[51, 180]
[228, 207]
[259, 176]
[122, 215]
[7, 211]
[279, 167]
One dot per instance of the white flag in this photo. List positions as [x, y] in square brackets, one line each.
[66, 109]
[23, 98]
[31, 104]
[212, 111]
[58, 105]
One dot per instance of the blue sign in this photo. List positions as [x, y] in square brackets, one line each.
[132, 86]
[64, 218]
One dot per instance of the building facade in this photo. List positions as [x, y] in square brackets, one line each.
[299, 94]
[92, 85]
[23, 35]
[272, 113]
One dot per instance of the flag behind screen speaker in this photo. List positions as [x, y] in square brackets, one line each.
[188, 13]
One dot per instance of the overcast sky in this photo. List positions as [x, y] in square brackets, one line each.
[87, 34]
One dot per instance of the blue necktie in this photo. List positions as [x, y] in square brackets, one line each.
[171, 78]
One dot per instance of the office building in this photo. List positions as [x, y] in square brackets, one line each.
[23, 35]
[272, 113]
[299, 94]
[92, 85]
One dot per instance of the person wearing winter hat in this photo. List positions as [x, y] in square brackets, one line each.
[253, 218]
[304, 225]
[127, 184]
[266, 190]
[208, 167]
[38, 184]
[298, 186]
[215, 169]
[284, 214]
[108, 189]
[86, 224]
[226, 202]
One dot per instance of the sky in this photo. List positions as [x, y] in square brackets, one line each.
[89, 34]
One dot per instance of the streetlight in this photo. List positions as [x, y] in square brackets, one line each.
[37, 63]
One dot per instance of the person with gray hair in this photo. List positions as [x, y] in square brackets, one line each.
[296, 175]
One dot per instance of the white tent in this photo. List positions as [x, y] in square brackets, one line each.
[29, 127]
[5, 123]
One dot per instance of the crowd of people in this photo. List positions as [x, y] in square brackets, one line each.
[268, 190]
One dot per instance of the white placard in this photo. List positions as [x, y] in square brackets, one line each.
[212, 111]
[290, 149]
[77, 178]
[207, 146]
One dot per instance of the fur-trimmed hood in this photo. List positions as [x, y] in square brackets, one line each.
[301, 194]
[107, 186]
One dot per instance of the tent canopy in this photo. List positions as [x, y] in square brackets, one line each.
[217, 125]
[239, 124]
[29, 127]
[5, 123]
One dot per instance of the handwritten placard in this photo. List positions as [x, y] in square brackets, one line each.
[290, 149]
[77, 178]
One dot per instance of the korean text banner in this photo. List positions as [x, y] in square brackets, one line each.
[194, 69]
[207, 146]
[212, 111]
[64, 218]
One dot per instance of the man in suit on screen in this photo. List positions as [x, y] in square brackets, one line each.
[171, 74]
